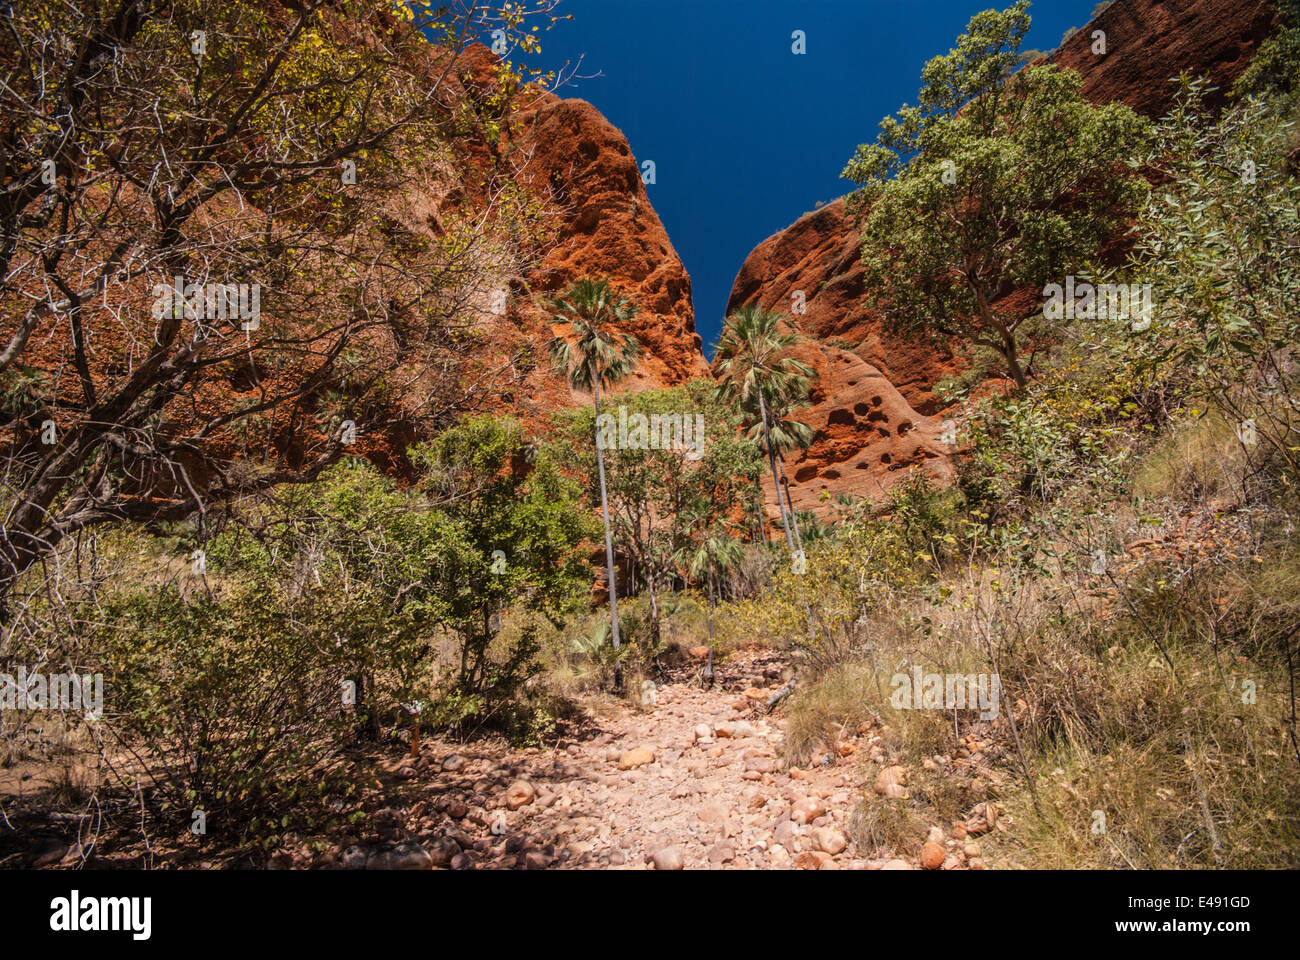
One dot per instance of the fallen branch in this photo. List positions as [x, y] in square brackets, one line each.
[780, 695]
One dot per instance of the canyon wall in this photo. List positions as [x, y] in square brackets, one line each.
[874, 409]
[598, 221]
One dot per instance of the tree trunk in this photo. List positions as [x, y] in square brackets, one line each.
[609, 537]
[794, 519]
[653, 590]
[771, 459]
[1010, 355]
[1008, 349]
[708, 666]
[366, 708]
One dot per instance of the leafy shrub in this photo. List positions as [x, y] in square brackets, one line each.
[228, 708]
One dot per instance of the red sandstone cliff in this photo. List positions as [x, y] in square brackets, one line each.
[599, 222]
[854, 450]
[1149, 42]
[564, 158]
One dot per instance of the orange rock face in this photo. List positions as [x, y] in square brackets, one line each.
[818, 256]
[610, 228]
[599, 221]
[867, 434]
[872, 404]
[596, 219]
[872, 383]
[1150, 41]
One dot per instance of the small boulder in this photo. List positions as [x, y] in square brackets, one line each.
[932, 855]
[668, 858]
[637, 757]
[811, 860]
[354, 858]
[452, 762]
[520, 794]
[807, 810]
[891, 781]
[410, 856]
[534, 860]
[442, 850]
[722, 853]
[829, 840]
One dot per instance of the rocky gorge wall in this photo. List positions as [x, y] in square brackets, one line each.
[598, 221]
[874, 409]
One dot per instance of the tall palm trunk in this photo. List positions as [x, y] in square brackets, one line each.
[708, 667]
[771, 456]
[771, 459]
[652, 591]
[609, 537]
[794, 517]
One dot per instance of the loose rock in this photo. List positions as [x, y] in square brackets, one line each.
[807, 810]
[520, 794]
[636, 758]
[668, 858]
[932, 855]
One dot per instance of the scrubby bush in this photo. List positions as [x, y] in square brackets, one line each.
[1118, 551]
[240, 667]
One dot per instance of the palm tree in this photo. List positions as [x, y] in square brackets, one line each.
[786, 434]
[813, 528]
[710, 559]
[597, 353]
[751, 365]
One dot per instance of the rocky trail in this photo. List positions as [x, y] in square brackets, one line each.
[695, 780]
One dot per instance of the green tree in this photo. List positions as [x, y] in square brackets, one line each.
[375, 571]
[787, 435]
[752, 364]
[594, 352]
[238, 146]
[998, 180]
[325, 614]
[1275, 67]
[708, 556]
[511, 528]
[1220, 241]
[659, 485]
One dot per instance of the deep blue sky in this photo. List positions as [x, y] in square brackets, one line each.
[746, 135]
